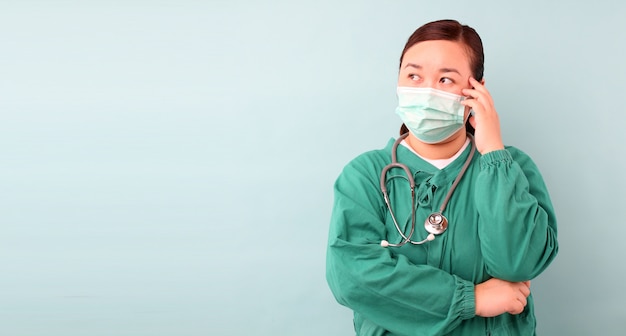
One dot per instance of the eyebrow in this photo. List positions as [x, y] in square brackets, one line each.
[442, 70]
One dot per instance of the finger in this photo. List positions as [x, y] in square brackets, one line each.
[471, 93]
[516, 308]
[476, 96]
[474, 104]
[475, 83]
[477, 108]
[480, 91]
[524, 290]
[523, 300]
[478, 86]
[527, 282]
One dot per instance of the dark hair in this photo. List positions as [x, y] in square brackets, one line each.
[451, 30]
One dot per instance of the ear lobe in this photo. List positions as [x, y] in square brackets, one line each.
[472, 121]
[482, 81]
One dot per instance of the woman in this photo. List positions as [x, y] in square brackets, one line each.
[458, 257]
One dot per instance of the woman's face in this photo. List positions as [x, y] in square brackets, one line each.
[438, 64]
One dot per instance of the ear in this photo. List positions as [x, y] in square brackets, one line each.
[472, 121]
[482, 81]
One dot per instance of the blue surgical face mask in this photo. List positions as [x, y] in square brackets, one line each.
[431, 115]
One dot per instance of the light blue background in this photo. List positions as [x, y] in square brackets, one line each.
[166, 167]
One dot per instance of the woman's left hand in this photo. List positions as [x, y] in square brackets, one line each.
[485, 120]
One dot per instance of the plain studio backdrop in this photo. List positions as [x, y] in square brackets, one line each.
[166, 167]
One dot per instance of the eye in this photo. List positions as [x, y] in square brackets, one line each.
[414, 77]
[446, 80]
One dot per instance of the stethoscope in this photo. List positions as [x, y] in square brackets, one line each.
[436, 223]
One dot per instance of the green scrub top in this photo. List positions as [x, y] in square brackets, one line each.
[501, 225]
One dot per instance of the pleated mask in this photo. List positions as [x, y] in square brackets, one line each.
[431, 115]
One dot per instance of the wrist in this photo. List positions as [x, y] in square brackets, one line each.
[486, 150]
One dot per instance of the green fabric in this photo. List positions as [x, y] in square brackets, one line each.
[501, 224]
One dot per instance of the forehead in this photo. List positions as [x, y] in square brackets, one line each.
[438, 54]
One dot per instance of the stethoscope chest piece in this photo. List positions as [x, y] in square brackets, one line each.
[436, 223]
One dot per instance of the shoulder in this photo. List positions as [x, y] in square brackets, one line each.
[367, 165]
[372, 160]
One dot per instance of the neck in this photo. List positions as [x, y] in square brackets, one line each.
[438, 151]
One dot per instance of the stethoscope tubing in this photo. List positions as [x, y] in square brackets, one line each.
[395, 164]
